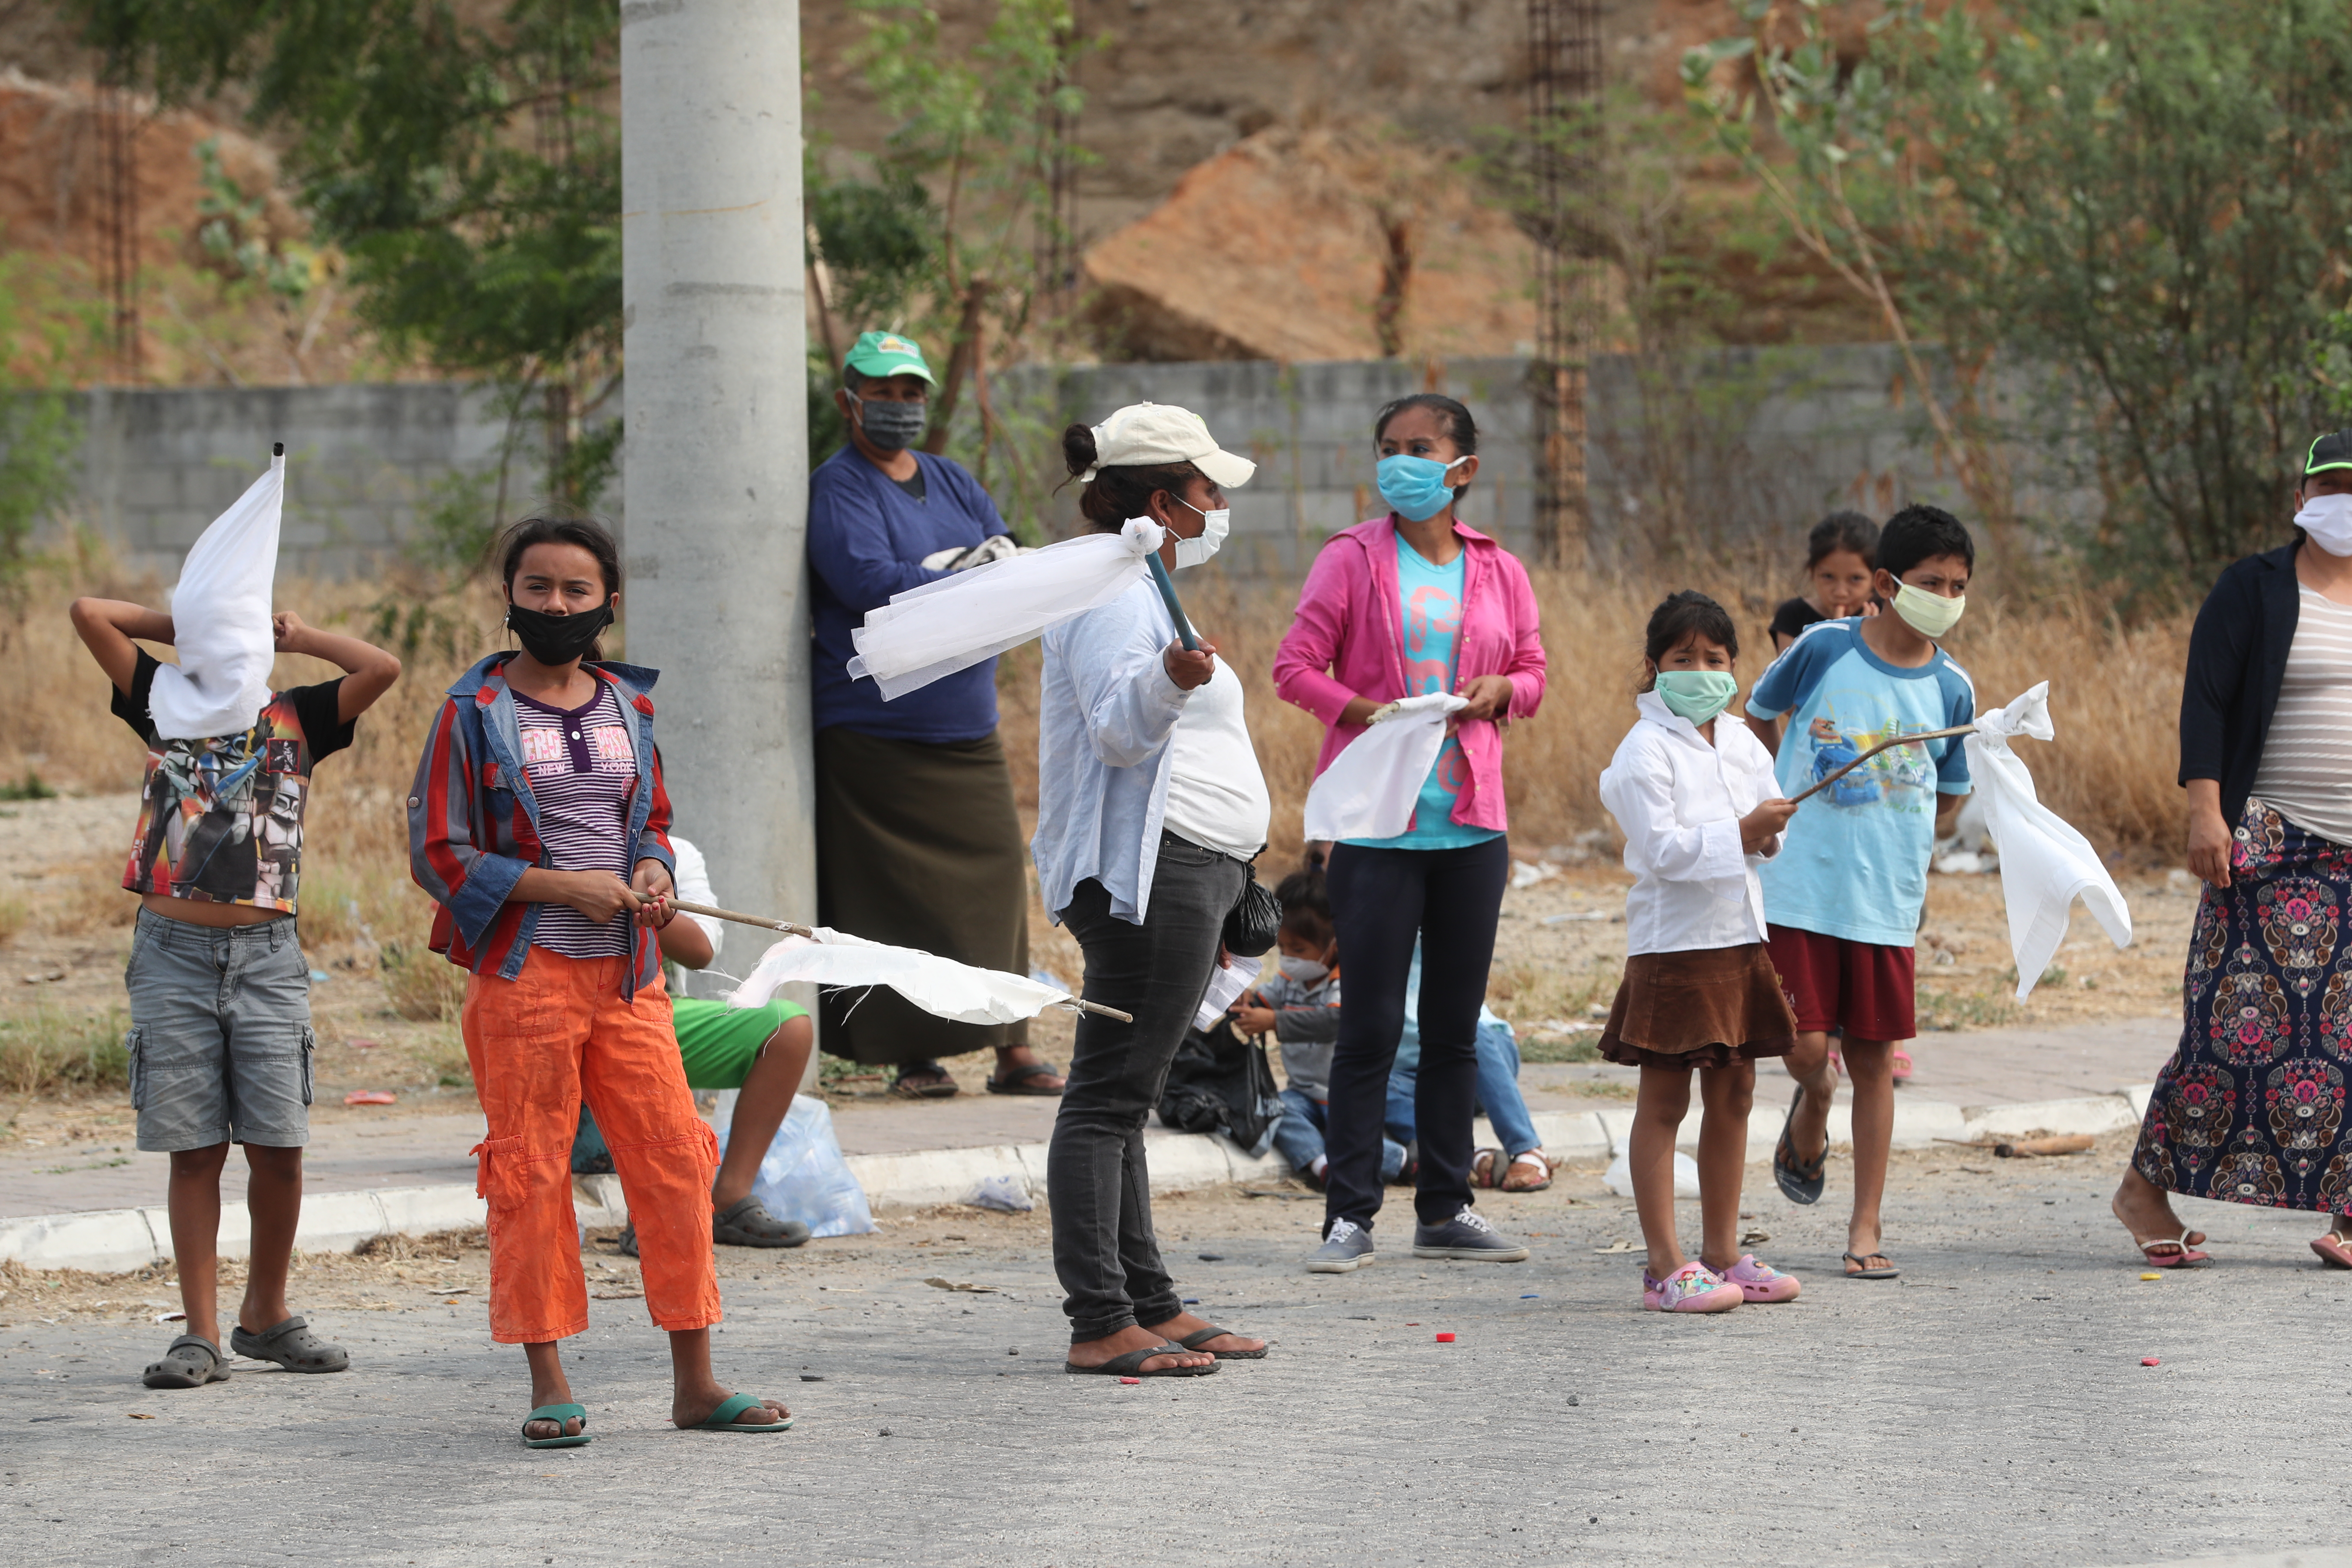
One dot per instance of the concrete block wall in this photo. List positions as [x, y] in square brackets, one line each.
[361, 463]
[1719, 449]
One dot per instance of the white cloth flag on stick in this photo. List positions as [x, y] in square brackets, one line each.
[938, 985]
[2044, 864]
[1369, 789]
[928, 633]
[220, 620]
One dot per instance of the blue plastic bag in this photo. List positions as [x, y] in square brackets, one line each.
[805, 1178]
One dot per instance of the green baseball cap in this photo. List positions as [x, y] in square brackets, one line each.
[2333, 450]
[887, 353]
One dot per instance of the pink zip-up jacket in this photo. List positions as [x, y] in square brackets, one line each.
[1346, 641]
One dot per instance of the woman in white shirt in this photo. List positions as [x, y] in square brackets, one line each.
[1700, 809]
[1150, 807]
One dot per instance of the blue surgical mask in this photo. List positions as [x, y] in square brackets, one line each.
[1416, 487]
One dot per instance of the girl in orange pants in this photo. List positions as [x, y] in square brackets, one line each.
[540, 825]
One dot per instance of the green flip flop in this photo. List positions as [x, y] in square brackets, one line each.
[723, 1418]
[559, 1415]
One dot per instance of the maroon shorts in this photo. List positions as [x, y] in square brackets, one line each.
[1859, 987]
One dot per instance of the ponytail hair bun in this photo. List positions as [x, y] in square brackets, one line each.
[1079, 448]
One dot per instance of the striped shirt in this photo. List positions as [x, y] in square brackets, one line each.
[2307, 769]
[581, 765]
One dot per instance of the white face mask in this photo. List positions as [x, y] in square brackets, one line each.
[1194, 552]
[2328, 521]
[1930, 615]
[1304, 971]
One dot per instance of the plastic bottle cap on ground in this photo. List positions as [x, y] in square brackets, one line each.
[2152, 1276]
[1445, 1339]
[1130, 1380]
[2149, 1360]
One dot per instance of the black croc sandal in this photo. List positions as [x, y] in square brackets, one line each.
[1021, 1079]
[1800, 1183]
[1131, 1364]
[291, 1345]
[1198, 1337]
[193, 1362]
[747, 1222]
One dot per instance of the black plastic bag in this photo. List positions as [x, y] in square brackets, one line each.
[1221, 1082]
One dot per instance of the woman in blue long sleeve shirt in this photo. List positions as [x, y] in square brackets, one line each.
[918, 841]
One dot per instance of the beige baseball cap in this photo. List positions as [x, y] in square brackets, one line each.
[1148, 435]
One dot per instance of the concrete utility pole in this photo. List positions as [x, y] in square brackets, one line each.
[717, 457]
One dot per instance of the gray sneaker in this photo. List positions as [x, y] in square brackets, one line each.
[1466, 1238]
[1348, 1249]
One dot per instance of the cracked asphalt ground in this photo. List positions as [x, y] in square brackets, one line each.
[1991, 1406]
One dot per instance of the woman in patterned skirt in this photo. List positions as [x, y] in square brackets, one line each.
[2251, 1108]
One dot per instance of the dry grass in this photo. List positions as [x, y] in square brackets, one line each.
[49, 1050]
[2114, 695]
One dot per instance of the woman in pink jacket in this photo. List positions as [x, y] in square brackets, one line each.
[1413, 602]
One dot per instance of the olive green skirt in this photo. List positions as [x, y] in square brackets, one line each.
[918, 844]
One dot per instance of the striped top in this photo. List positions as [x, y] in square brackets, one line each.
[583, 765]
[2307, 768]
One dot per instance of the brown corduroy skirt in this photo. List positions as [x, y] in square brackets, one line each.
[1704, 1008]
[918, 844]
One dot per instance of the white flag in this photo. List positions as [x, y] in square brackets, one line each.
[220, 621]
[930, 632]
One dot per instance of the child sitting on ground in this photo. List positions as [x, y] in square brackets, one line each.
[761, 1052]
[1696, 801]
[1838, 558]
[1299, 1005]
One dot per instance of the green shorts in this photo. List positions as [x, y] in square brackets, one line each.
[719, 1043]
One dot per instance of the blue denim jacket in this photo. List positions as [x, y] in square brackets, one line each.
[468, 844]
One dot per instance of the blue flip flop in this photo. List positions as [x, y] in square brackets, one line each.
[559, 1415]
[723, 1418]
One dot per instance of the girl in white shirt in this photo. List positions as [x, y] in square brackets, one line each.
[1699, 808]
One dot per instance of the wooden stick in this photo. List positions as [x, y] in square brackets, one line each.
[1822, 783]
[713, 911]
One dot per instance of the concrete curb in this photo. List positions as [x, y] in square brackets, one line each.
[115, 1241]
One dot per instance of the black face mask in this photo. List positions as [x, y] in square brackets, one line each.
[892, 427]
[558, 640]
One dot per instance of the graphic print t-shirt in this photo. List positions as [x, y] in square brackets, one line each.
[1430, 607]
[583, 767]
[1855, 863]
[220, 820]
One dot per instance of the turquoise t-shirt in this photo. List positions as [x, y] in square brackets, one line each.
[1430, 607]
[1855, 863]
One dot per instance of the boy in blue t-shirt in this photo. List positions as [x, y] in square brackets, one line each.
[1841, 898]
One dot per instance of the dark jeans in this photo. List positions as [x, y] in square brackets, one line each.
[1381, 900]
[1104, 1251]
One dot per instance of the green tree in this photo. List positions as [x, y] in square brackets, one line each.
[40, 440]
[2145, 198]
[973, 128]
[470, 171]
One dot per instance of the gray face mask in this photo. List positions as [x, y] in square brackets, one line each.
[893, 426]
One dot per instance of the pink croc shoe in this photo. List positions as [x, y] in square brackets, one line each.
[1761, 1282]
[1693, 1287]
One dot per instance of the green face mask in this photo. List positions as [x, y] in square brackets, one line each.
[1697, 695]
[1930, 615]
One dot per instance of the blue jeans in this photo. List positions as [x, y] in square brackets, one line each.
[1499, 1093]
[1300, 1135]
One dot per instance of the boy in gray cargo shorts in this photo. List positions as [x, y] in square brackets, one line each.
[220, 994]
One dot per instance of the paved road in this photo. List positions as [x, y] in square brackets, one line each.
[1991, 1407]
